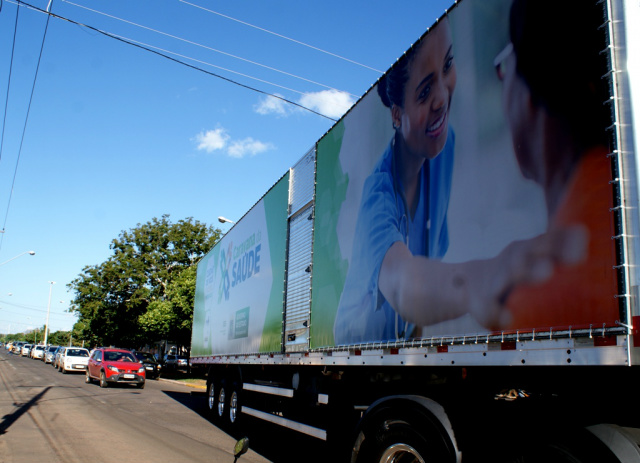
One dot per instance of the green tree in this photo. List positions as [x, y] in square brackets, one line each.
[171, 317]
[59, 338]
[113, 298]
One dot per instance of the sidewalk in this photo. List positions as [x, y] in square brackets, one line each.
[195, 383]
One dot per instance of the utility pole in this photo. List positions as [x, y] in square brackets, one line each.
[46, 326]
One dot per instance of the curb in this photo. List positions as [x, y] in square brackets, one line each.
[194, 386]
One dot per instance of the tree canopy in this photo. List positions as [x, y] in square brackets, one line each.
[144, 291]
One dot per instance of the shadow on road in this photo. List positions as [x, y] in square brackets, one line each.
[274, 443]
[11, 418]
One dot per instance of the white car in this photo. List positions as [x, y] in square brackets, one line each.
[26, 349]
[37, 352]
[73, 359]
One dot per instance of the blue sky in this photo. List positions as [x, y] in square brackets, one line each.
[117, 135]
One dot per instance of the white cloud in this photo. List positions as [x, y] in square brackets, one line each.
[331, 103]
[212, 140]
[219, 140]
[271, 105]
[248, 146]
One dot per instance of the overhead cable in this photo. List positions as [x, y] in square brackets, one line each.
[282, 37]
[24, 129]
[6, 104]
[108, 34]
[255, 63]
[126, 39]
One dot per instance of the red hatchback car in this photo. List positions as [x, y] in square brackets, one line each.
[111, 365]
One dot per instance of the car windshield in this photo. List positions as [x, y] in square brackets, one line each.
[146, 357]
[77, 353]
[119, 357]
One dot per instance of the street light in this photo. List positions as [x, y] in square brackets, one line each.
[31, 253]
[46, 326]
[224, 220]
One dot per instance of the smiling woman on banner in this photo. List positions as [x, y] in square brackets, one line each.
[396, 280]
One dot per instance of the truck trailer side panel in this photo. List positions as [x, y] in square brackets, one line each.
[452, 263]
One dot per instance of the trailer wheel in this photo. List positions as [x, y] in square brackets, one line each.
[569, 446]
[399, 435]
[221, 401]
[234, 405]
[211, 399]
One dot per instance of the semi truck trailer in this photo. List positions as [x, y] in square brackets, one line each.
[450, 273]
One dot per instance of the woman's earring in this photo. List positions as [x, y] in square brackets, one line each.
[396, 126]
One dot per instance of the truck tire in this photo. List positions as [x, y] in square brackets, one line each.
[222, 401]
[402, 434]
[569, 446]
[234, 405]
[212, 399]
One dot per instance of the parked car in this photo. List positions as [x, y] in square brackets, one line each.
[176, 363]
[110, 365]
[26, 350]
[151, 365]
[49, 354]
[37, 352]
[73, 359]
[17, 347]
[56, 357]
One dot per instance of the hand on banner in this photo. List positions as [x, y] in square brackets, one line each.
[522, 262]
[424, 291]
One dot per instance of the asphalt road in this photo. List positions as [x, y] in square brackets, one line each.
[52, 417]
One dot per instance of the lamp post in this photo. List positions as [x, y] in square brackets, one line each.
[46, 326]
[31, 253]
[225, 220]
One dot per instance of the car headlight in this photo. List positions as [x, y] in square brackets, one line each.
[141, 370]
[112, 368]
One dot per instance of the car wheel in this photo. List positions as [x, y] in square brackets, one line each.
[63, 370]
[87, 378]
[140, 385]
[103, 380]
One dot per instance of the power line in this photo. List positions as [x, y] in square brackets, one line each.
[207, 47]
[6, 105]
[128, 42]
[24, 129]
[142, 44]
[282, 37]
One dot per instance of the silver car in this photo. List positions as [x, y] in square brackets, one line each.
[56, 358]
[49, 354]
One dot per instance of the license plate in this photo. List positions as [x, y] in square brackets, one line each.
[150, 368]
[129, 376]
[78, 366]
